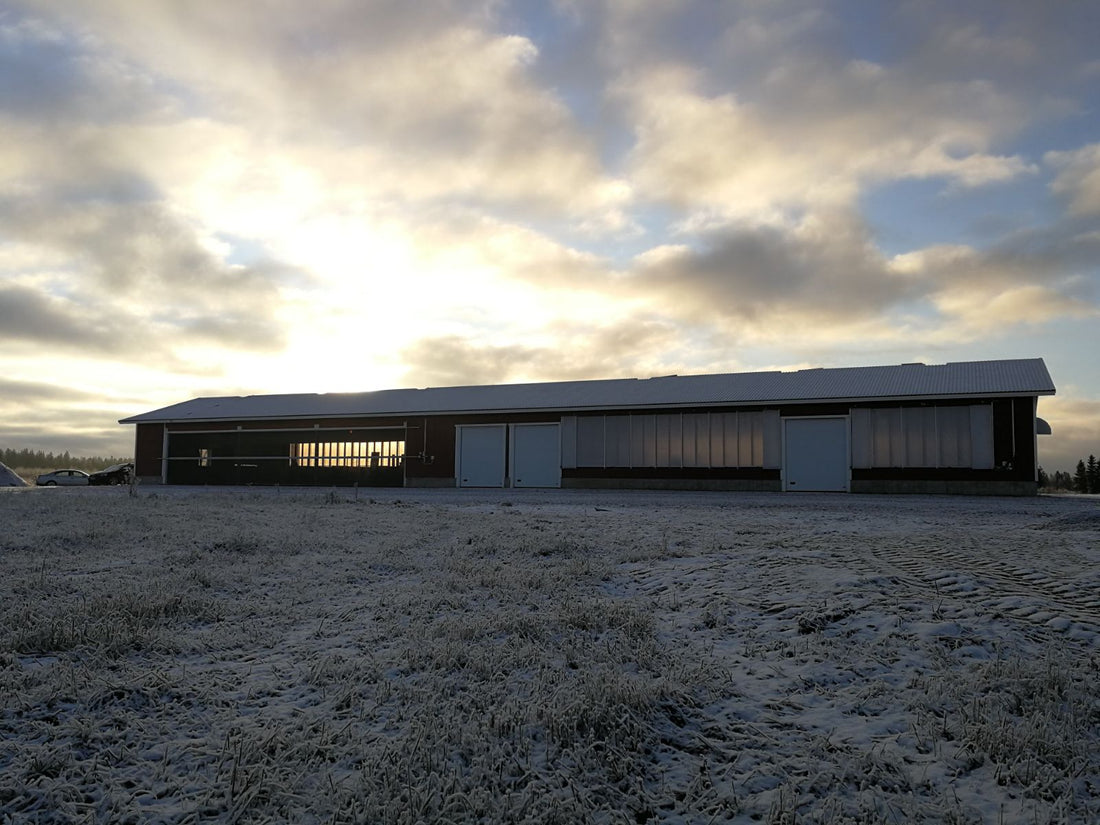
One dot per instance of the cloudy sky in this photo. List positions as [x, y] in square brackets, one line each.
[200, 197]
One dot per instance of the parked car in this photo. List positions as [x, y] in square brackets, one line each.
[62, 478]
[115, 474]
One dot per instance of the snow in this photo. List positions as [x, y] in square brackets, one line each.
[312, 655]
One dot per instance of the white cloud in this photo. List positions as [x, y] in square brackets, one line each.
[1078, 179]
[822, 136]
[983, 309]
[1026, 280]
[406, 101]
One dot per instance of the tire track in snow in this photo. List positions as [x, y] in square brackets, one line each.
[773, 572]
[1044, 598]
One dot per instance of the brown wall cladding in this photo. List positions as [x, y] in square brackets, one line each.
[148, 444]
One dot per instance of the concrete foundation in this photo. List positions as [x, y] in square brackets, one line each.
[957, 488]
[430, 482]
[702, 484]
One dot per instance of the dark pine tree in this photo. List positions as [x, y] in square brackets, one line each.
[1081, 478]
[1092, 474]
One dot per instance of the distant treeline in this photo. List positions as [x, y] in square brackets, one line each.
[1086, 478]
[38, 460]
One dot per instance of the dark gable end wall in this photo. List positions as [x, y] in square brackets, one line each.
[1024, 461]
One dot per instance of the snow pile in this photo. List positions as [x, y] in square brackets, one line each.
[266, 656]
[8, 478]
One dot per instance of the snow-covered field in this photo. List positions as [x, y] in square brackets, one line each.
[547, 657]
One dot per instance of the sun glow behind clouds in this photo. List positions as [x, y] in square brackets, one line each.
[253, 197]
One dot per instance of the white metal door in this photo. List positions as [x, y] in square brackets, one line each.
[816, 454]
[479, 455]
[536, 455]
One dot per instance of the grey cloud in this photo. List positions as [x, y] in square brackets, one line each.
[235, 328]
[1028, 45]
[586, 353]
[829, 273]
[130, 246]
[17, 393]
[35, 322]
[51, 73]
[453, 361]
[58, 414]
[1054, 252]
[1066, 253]
[31, 317]
[44, 416]
[137, 254]
[827, 269]
[40, 322]
[38, 73]
[608, 349]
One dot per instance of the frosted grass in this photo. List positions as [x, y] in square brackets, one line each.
[316, 656]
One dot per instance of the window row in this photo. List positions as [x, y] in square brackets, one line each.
[347, 453]
[302, 448]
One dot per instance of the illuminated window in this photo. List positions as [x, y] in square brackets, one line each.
[371, 454]
[204, 457]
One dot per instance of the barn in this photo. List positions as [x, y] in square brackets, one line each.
[966, 427]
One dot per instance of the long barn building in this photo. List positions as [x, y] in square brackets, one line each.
[952, 428]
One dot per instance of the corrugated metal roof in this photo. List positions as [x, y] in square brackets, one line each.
[971, 378]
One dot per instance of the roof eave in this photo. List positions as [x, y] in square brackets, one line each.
[594, 407]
